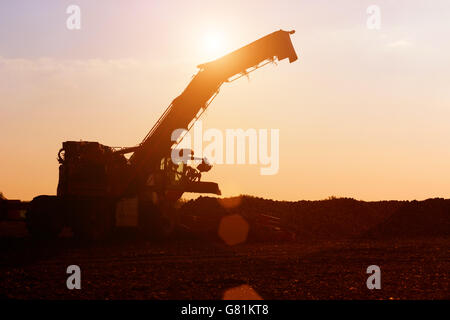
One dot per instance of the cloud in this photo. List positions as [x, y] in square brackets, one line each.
[403, 43]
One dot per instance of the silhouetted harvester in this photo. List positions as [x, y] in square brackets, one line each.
[100, 189]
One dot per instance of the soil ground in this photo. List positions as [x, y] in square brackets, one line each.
[197, 269]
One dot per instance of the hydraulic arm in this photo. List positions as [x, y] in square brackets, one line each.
[184, 109]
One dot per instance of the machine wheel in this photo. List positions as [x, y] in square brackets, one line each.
[93, 220]
[158, 222]
[167, 222]
[43, 219]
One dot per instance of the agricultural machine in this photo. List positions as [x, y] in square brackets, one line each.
[102, 188]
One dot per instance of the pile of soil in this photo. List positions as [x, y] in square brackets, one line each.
[332, 219]
[416, 219]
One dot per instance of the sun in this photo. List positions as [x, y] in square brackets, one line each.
[214, 44]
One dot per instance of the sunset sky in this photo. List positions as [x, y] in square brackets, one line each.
[363, 113]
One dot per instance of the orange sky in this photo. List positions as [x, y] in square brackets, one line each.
[361, 114]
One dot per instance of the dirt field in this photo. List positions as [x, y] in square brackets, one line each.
[197, 269]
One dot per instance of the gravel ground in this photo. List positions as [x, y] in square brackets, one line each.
[198, 269]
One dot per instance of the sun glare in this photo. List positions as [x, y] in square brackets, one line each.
[214, 44]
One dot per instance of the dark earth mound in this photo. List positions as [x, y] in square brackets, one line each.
[331, 219]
